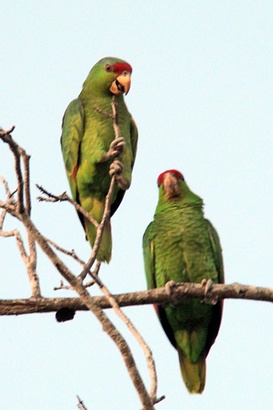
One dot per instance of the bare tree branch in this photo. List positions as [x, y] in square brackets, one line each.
[17, 153]
[17, 208]
[76, 283]
[146, 350]
[87, 300]
[180, 292]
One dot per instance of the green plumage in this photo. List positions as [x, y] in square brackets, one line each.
[86, 138]
[181, 245]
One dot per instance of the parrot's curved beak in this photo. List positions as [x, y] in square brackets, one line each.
[171, 185]
[121, 84]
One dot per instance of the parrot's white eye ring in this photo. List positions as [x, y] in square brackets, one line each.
[108, 67]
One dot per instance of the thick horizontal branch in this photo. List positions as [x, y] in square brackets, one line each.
[160, 296]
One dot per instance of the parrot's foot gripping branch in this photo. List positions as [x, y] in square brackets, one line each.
[115, 170]
[116, 148]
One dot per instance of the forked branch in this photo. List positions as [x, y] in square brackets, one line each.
[19, 205]
[21, 210]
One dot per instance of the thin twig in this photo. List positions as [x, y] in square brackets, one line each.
[81, 405]
[9, 131]
[6, 187]
[19, 241]
[95, 273]
[26, 159]
[63, 287]
[77, 259]
[2, 217]
[115, 118]
[105, 217]
[51, 197]
[105, 113]
[147, 351]
[62, 198]
[71, 253]
[4, 211]
[17, 152]
[9, 206]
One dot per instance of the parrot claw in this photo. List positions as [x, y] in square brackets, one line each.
[208, 284]
[115, 170]
[124, 185]
[169, 287]
[116, 147]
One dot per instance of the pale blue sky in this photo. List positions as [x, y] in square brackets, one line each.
[202, 98]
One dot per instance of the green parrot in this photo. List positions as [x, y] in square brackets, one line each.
[89, 145]
[180, 245]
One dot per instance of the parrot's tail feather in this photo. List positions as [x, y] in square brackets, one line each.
[194, 374]
[105, 249]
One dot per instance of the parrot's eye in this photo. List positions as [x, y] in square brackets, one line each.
[124, 73]
[108, 67]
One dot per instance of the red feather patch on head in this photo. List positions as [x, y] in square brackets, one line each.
[120, 67]
[176, 173]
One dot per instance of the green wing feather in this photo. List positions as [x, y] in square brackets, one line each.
[72, 134]
[218, 308]
[217, 250]
[134, 139]
[149, 257]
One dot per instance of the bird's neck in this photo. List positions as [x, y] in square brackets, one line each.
[188, 206]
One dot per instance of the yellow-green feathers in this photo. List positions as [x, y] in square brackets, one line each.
[87, 134]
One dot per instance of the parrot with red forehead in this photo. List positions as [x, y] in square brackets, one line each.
[89, 145]
[180, 245]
